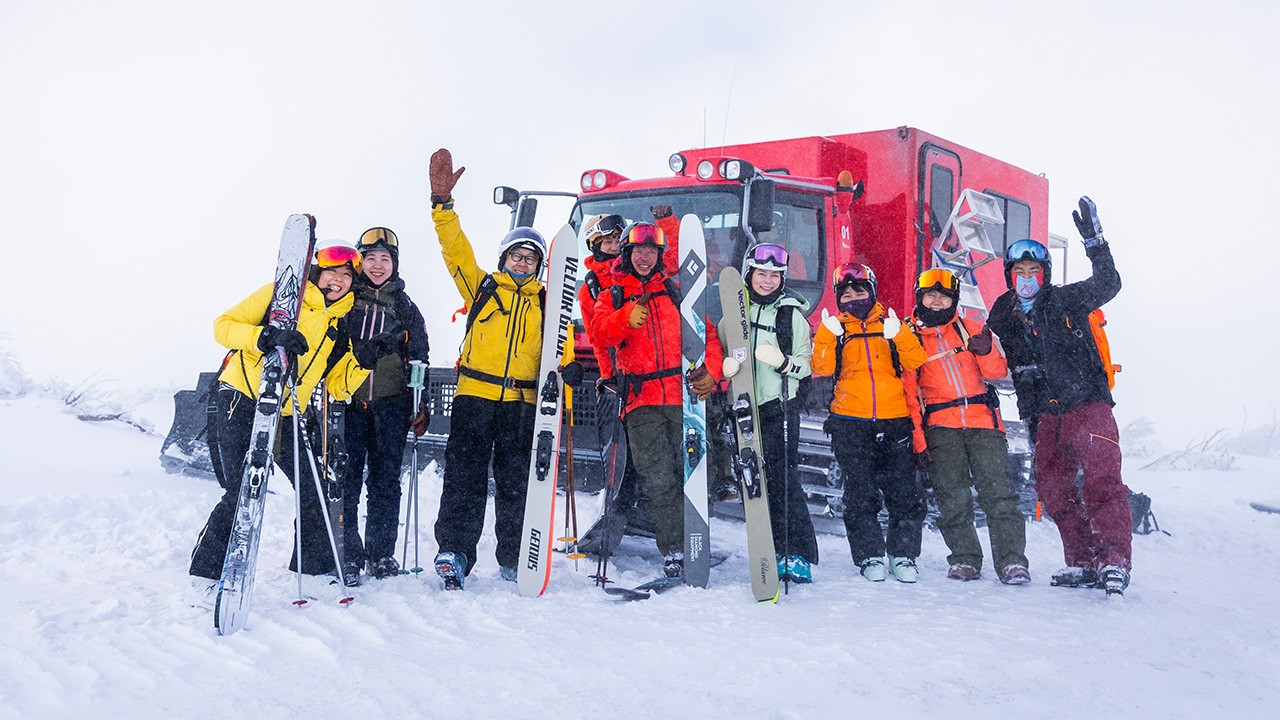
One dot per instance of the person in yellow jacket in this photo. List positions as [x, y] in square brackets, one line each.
[323, 353]
[866, 348]
[492, 414]
[959, 435]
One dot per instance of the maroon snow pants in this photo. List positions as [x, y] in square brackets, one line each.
[1095, 521]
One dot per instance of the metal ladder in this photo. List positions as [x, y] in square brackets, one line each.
[964, 244]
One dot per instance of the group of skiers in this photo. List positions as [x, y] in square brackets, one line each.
[908, 395]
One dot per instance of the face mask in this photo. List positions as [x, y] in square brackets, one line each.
[858, 308]
[1027, 287]
[519, 276]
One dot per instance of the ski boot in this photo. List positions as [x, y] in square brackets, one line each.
[903, 569]
[1015, 574]
[507, 573]
[350, 574]
[796, 568]
[964, 572]
[452, 569]
[673, 565]
[1075, 577]
[1114, 580]
[203, 592]
[385, 568]
[873, 569]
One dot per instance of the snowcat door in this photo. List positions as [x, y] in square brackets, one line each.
[938, 188]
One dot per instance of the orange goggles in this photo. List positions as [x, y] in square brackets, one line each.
[337, 256]
[645, 234]
[943, 279]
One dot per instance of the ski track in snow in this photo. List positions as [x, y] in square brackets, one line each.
[95, 540]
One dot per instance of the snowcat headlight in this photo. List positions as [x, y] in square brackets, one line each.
[586, 181]
[677, 163]
[598, 179]
[705, 168]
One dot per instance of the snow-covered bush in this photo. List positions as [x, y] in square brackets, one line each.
[1208, 454]
[13, 381]
[1137, 439]
[1260, 441]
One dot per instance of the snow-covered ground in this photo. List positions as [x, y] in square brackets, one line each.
[95, 540]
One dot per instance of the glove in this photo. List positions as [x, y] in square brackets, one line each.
[701, 382]
[419, 422]
[770, 355]
[293, 342]
[639, 314]
[980, 344]
[832, 323]
[604, 384]
[1087, 223]
[370, 350]
[661, 211]
[923, 460]
[730, 367]
[892, 325]
[572, 373]
[443, 177]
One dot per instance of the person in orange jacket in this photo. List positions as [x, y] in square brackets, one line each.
[959, 432]
[867, 349]
[639, 318]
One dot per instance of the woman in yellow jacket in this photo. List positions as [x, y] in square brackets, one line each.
[322, 354]
[866, 349]
[492, 412]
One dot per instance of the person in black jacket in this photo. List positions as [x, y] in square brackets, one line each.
[381, 412]
[1065, 397]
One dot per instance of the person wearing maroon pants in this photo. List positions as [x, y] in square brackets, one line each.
[1065, 396]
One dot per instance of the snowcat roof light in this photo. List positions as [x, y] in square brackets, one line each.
[677, 163]
[705, 169]
[738, 170]
[599, 179]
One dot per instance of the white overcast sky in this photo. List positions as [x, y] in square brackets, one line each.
[150, 151]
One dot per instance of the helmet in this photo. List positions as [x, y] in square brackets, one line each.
[1026, 250]
[525, 237]
[642, 233]
[852, 273]
[598, 227]
[766, 256]
[380, 238]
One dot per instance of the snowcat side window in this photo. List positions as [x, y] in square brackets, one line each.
[1017, 221]
[941, 197]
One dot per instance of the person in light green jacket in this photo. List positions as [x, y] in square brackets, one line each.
[780, 341]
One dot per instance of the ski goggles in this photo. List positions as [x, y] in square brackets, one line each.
[851, 272]
[604, 225]
[645, 234]
[942, 279]
[375, 237]
[337, 256]
[1026, 250]
[768, 256]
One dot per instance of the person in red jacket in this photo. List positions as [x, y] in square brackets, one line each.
[959, 433]
[639, 319]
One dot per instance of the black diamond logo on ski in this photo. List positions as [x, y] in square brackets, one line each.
[692, 268]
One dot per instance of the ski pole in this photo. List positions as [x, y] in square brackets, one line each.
[417, 377]
[328, 526]
[297, 492]
[786, 488]
[570, 498]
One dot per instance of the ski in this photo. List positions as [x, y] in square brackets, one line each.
[642, 592]
[693, 344]
[748, 460]
[331, 419]
[534, 568]
[235, 589]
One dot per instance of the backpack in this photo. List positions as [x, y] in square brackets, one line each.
[489, 289]
[1097, 326]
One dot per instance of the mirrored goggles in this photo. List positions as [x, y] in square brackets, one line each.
[1026, 250]
[766, 255]
[944, 279]
[378, 236]
[646, 234]
[850, 272]
[338, 255]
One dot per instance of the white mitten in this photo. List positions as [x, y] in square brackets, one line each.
[892, 325]
[832, 323]
[770, 355]
[730, 367]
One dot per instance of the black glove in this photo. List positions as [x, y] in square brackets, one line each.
[419, 422]
[369, 350]
[923, 460]
[1087, 223]
[572, 374]
[293, 342]
[980, 344]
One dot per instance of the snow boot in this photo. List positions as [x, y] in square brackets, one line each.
[904, 569]
[797, 568]
[873, 569]
[203, 592]
[963, 571]
[350, 574]
[1075, 577]
[452, 569]
[385, 568]
[673, 565]
[1114, 579]
[506, 573]
[1015, 574]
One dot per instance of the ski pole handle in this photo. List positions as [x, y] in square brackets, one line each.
[417, 374]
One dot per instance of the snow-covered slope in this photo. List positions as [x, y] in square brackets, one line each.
[95, 540]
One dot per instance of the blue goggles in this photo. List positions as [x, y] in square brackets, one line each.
[1026, 250]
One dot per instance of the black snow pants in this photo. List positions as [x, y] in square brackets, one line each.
[788, 512]
[482, 430]
[376, 433]
[876, 462]
[234, 426]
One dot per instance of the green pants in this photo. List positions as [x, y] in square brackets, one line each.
[961, 458]
[654, 435]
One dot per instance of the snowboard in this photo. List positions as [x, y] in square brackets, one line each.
[693, 345]
[534, 567]
[235, 589]
[748, 459]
